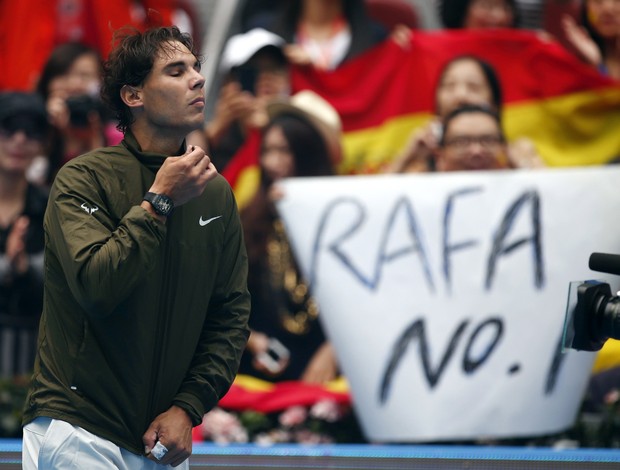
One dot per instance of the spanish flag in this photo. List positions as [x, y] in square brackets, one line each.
[250, 393]
[567, 109]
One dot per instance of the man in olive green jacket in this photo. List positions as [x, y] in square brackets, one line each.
[146, 307]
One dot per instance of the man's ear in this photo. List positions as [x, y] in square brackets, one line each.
[131, 96]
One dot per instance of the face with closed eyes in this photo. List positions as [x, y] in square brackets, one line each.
[171, 99]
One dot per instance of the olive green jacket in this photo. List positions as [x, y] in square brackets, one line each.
[138, 315]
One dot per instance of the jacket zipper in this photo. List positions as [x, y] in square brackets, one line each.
[160, 332]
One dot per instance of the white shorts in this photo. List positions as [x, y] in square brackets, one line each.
[52, 444]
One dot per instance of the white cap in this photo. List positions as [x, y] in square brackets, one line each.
[241, 47]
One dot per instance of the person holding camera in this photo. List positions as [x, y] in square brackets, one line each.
[254, 70]
[70, 83]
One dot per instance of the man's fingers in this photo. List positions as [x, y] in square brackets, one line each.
[210, 173]
[194, 154]
[200, 160]
[149, 439]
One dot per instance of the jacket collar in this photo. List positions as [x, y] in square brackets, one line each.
[151, 160]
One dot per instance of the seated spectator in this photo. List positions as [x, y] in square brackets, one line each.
[598, 40]
[24, 131]
[255, 70]
[472, 140]
[463, 80]
[298, 140]
[478, 14]
[325, 33]
[70, 83]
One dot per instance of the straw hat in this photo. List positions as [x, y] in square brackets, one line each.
[322, 115]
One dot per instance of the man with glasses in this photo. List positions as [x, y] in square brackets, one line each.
[472, 140]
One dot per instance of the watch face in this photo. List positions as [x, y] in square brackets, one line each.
[163, 205]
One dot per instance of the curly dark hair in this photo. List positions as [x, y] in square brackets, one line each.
[131, 61]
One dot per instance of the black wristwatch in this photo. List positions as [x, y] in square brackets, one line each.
[161, 203]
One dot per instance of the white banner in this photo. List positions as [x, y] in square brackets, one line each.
[444, 294]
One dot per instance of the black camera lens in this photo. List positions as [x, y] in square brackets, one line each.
[80, 109]
[596, 316]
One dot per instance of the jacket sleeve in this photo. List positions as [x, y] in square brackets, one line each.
[103, 258]
[225, 331]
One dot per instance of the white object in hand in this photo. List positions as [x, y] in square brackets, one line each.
[159, 451]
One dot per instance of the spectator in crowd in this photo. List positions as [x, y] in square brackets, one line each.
[325, 33]
[473, 139]
[255, 70]
[478, 14]
[70, 83]
[286, 342]
[597, 41]
[463, 80]
[24, 132]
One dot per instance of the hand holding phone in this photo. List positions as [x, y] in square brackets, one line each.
[275, 359]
